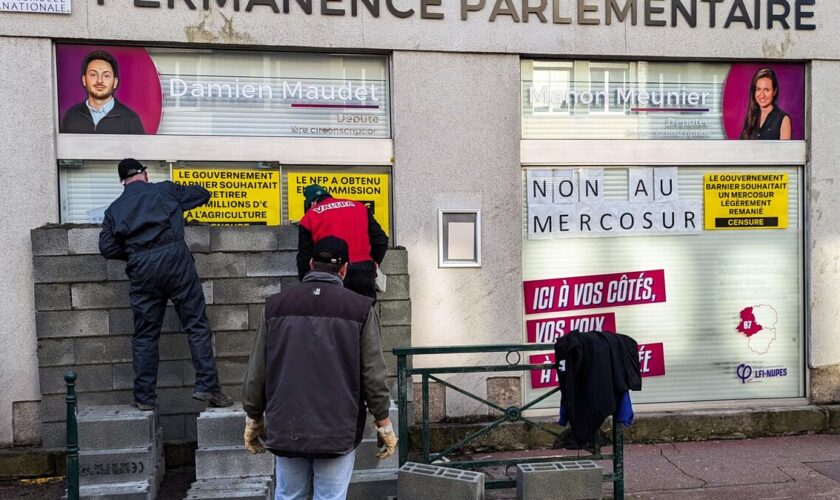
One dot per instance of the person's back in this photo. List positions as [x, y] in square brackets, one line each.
[313, 382]
[145, 227]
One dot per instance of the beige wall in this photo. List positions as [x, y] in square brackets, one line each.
[28, 200]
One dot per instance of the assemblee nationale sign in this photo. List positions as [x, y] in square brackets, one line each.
[36, 6]
[756, 14]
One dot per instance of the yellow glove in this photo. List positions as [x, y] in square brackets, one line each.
[386, 440]
[254, 430]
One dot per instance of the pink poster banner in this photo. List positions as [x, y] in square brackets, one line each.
[545, 330]
[595, 291]
[651, 362]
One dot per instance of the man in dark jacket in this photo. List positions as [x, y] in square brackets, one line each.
[315, 367]
[100, 113]
[352, 222]
[145, 227]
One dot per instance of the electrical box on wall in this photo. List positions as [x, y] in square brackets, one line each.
[459, 238]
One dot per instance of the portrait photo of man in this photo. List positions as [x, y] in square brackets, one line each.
[100, 112]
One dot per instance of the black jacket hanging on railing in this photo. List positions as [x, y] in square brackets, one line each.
[599, 368]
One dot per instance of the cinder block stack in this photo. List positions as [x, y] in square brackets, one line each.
[431, 482]
[374, 479]
[223, 469]
[577, 480]
[120, 453]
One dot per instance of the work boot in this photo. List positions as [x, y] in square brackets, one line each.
[216, 399]
[143, 406]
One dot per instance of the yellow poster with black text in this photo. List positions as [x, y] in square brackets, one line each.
[745, 200]
[370, 189]
[238, 196]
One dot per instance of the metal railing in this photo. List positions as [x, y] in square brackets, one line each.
[72, 438]
[510, 414]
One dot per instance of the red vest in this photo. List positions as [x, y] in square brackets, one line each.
[345, 219]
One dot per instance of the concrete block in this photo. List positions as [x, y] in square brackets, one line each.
[99, 295]
[395, 263]
[197, 238]
[230, 344]
[219, 265]
[89, 378]
[69, 268]
[395, 336]
[437, 402]
[271, 264]
[53, 324]
[373, 485]
[245, 291]
[174, 346]
[229, 484]
[26, 423]
[232, 370]
[228, 317]
[397, 289]
[53, 435]
[288, 282]
[121, 321]
[243, 239]
[191, 424]
[110, 349]
[231, 462]
[255, 314]
[430, 482]
[288, 237]
[56, 352]
[115, 270]
[241, 493]
[578, 480]
[366, 457]
[83, 240]
[139, 490]
[52, 297]
[207, 288]
[173, 428]
[49, 241]
[178, 400]
[395, 312]
[117, 465]
[504, 391]
[115, 427]
[221, 426]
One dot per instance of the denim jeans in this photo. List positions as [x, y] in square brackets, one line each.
[331, 477]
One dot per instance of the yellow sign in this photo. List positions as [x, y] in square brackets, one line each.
[238, 197]
[746, 201]
[370, 189]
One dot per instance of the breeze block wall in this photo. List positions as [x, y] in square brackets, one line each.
[84, 323]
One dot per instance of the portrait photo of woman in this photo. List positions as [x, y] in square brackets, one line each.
[764, 119]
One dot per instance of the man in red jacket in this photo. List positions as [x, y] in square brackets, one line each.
[352, 222]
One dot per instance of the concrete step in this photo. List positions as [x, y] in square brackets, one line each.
[231, 462]
[221, 426]
[118, 466]
[115, 427]
[139, 490]
[373, 485]
[251, 487]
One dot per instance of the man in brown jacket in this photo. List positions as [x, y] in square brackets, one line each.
[315, 368]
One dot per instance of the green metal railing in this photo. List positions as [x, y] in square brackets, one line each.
[72, 438]
[510, 414]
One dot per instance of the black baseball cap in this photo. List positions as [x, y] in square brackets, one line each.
[331, 250]
[129, 167]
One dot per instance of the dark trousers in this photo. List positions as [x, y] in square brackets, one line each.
[157, 275]
[361, 278]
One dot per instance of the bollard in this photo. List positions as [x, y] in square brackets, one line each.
[72, 439]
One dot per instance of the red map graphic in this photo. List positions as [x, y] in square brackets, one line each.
[748, 325]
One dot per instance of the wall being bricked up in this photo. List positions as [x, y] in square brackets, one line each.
[84, 323]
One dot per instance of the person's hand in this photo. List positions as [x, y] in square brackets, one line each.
[254, 430]
[386, 440]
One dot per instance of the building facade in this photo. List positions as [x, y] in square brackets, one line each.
[547, 165]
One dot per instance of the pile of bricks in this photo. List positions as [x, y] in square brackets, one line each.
[120, 453]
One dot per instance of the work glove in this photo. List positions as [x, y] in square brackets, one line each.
[386, 440]
[254, 430]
